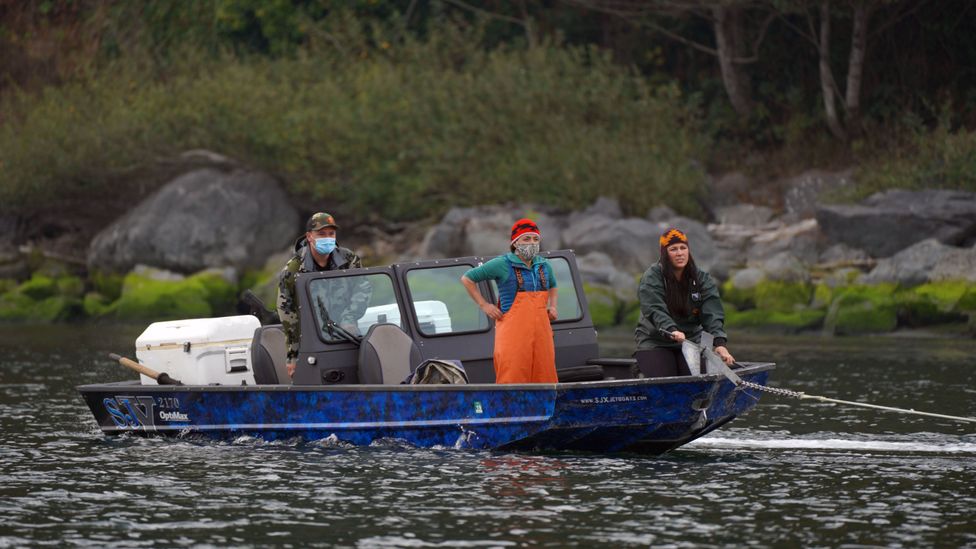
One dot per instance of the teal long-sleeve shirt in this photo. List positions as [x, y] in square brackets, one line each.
[501, 270]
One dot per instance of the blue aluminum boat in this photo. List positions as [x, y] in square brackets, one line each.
[345, 390]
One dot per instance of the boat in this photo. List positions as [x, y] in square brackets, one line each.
[354, 358]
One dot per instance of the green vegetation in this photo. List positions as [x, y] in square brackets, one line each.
[396, 109]
[944, 158]
[401, 133]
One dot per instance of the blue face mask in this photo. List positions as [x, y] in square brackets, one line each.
[324, 246]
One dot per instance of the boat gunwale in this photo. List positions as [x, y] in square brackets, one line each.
[751, 368]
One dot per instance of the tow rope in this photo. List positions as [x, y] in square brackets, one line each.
[714, 364]
[804, 396]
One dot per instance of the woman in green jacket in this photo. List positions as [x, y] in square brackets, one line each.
[677, 302]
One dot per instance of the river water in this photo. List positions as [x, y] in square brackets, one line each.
[791, 473]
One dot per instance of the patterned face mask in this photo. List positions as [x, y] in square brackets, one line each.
[527, 251]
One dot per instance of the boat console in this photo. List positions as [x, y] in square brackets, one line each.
[427, 301]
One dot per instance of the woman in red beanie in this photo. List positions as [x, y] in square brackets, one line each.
[524, 351]
[677, 302]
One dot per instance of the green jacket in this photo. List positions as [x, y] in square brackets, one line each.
[302, 262]
[704, 304]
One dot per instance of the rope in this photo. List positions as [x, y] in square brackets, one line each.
[804, 396]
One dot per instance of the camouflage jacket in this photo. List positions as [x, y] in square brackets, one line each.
[302, 262]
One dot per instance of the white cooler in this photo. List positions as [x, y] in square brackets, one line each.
[200, 351]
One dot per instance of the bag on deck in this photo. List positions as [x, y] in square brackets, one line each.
[435, 371]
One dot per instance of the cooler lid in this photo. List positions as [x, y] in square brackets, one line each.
[198, 330]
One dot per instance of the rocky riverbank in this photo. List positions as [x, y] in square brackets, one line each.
[787, 261]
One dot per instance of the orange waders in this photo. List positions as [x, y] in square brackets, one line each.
[524, 351]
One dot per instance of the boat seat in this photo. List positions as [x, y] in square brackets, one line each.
[387, 355]
[268, 354]
[586, 372]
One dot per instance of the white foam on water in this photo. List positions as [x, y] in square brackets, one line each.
[835, 444]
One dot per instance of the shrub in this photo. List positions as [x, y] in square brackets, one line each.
[942, 159]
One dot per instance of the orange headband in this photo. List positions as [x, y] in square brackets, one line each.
[671, 236]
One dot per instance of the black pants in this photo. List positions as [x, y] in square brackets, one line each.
[662, 362]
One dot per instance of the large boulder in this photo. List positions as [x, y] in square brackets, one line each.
[631, 243]
[737, 245]
[484, 231]
[747, 215]
[801, 239]
[888, 222]
[731, 188]
[783, 267]
[204, 218]
[596, 268]
[802, 193]
[13, 264]
[926, 261]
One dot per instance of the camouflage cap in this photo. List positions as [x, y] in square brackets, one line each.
[320, 221]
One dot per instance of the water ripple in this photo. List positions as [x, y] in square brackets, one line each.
[789, 474]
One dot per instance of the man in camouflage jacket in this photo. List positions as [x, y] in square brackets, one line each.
[347, 302]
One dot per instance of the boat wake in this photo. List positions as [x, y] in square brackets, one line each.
[836, 444]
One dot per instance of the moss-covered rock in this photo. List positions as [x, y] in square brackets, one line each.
[18, 306]
[55, 268]
[7, 284]
[14, 305]
[945, 294]
[264, 284]
[741, 298]
[38, 287]
[96, 305]
[863, 309]
[968, 300]
[865, 318]
[875, 293]
[107, 284]
[603, 305]
[631, 314]
[916, 310]
[144, 298]
[70, 286]
[823, 296]
[781, 296]
[777, 321]
[56, 309]
[221, 292]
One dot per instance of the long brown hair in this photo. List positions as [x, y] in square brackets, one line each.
[676, 291]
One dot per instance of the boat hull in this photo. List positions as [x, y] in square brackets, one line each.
[652, 415]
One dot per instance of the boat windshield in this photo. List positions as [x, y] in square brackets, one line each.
[353, 304]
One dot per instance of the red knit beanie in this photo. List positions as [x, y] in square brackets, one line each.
[524, 226]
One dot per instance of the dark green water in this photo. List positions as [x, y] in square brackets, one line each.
[790, 474]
